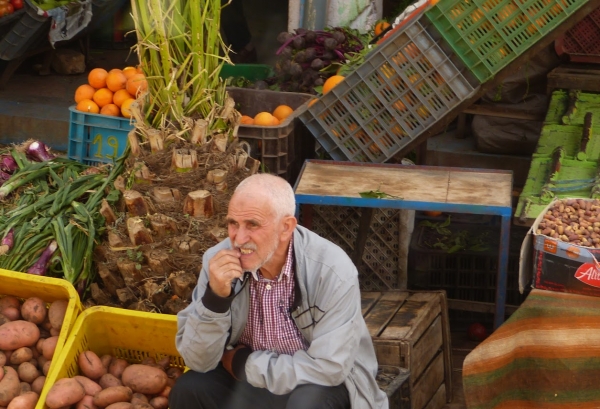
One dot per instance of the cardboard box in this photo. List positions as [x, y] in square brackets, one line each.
[551, 264]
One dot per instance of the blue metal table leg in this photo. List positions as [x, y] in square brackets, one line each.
[502, 271]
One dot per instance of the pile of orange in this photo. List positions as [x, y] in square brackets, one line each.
[265, 118]
[110, 92]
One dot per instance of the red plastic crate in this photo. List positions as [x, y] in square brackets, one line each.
[582, 42]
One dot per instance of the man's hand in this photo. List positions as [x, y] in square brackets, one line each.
[223, 268]
[227, 359]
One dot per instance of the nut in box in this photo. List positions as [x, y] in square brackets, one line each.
[564, 245]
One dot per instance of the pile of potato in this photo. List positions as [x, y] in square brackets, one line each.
[29, 333]
[575, 221]
[113, 383]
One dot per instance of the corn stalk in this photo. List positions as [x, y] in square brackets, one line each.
[181, 52]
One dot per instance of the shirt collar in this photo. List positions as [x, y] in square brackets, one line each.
[287, 266]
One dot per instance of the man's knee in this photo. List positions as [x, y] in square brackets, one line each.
[319, 397]
[198, 390]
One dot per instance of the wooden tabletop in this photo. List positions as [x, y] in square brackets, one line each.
[411, 183]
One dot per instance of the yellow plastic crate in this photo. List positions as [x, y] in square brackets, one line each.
[49, 289]
[130, 335]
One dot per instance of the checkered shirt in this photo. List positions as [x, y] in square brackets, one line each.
[270, 325]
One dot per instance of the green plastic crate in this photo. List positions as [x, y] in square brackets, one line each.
[569, 138]
[489, 34]
[252, 72]
[559, 104]
[575, 179]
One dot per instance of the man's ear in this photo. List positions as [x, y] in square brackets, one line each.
[289, 224]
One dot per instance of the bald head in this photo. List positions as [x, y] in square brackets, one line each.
[275, 189]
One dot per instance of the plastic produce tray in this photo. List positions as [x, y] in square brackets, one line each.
[582, 42]
[48, 289]
[283, 148]
[584, 102]
[24, 33]
[464, 275]
[129, 335]
[574, 180]
[404, 86]
[95, 138]
[489, 34]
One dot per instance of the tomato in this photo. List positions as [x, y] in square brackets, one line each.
[477, 332]
[3, 10]
[10, 8]
[17, 4]
[3, 3]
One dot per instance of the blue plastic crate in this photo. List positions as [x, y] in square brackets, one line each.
[96, 138]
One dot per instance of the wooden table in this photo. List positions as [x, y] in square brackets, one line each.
[454, 190]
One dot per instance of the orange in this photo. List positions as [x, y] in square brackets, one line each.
[136, 83]
[110, 109]
[84, 91]
[275, 121]
[116, 80]
[380, 27]
[264, 119]
[282, 112]
[120, 96]
[97, 78]
[87, 105]
[312, 102]
[247, 120]
[103, 96]
[126, 107]
[332, 82]
[129, 72]
[432, 213]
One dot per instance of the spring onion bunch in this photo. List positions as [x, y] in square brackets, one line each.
[181, 52]
[49, 216]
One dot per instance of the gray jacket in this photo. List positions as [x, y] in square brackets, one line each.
[327, 310]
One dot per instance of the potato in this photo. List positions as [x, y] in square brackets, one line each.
[12, 313]
[91, 365]
[9, 386]
[112, 395]
[106, 360]
[4, 319]
[38, 384]
[166, 392]
[174, 372]
[24, 387]
[86, 403]
[46, 367]
[139, 398]
[120, 405]
[109, 380]
[28, 372]
[91, 388]
[34, 310]
[9, 301]
[3, 359]
[148, 361]
[164, 362]
[17, 334]
[64, 392]
[159, 402]
[142, 405]
[28, 400]
[57, 312]
[42, 361]
[39, 346]
[117, 366]
[144, 379]
[21, 355]
[49, 347]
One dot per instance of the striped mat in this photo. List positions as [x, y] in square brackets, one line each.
[546, 355]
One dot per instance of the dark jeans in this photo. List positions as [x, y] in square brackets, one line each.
[218, 390]
[234, 25]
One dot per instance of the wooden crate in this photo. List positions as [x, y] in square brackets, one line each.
[394, 381]
[410, 329]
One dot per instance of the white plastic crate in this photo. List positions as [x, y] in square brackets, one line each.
[404, 86]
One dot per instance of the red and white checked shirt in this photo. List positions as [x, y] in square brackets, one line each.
[270, 325]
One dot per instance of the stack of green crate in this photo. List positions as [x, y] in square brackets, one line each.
[567, 158]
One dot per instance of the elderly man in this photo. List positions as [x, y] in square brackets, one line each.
[275, 320]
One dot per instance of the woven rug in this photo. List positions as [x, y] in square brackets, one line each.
[546, 355]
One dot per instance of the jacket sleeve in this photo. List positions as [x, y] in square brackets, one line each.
[331, 354]
[203, 327]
